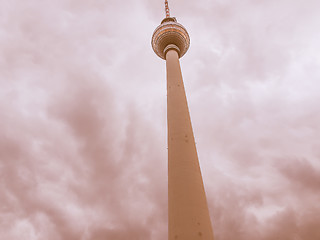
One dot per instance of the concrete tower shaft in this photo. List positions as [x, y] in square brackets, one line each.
[188, 210]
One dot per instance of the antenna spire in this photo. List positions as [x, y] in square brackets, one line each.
[167, 8]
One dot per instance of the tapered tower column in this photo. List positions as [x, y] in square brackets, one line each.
[188, 210]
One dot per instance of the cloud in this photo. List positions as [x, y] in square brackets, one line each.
[83, 118]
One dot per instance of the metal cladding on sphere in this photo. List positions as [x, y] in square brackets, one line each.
[170, 33]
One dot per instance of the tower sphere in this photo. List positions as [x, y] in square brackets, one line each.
[170, 35]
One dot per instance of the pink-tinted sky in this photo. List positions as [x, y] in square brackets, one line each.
[83, 151]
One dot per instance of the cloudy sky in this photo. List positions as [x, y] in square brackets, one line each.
[83, 152]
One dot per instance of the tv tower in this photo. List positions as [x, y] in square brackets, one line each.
[188, 210]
